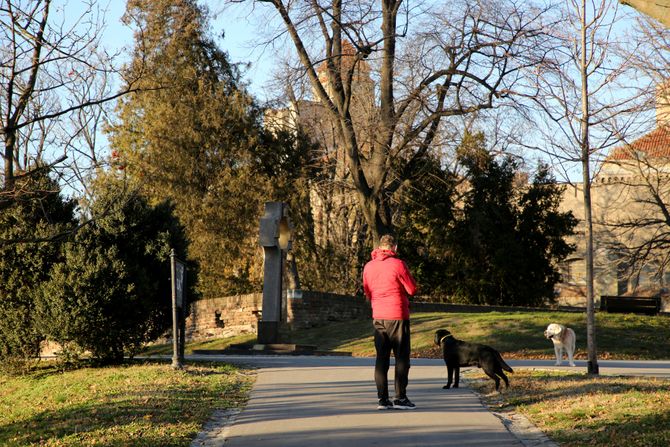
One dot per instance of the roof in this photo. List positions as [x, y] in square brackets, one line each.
[655, 144]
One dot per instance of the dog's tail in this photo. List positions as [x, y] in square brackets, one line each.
[504, 365]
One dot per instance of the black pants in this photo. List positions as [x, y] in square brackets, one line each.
[392, 335]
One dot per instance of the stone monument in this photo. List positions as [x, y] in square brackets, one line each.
[275, 238]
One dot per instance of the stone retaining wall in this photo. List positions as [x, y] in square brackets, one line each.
[224, 317]
[239, 314]
[316, 308]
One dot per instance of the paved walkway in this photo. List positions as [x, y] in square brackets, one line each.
[331, 401]
[300, 401]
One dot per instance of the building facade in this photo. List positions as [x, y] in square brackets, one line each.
[631, 219]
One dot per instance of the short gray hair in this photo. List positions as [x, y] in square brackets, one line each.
[387, 241]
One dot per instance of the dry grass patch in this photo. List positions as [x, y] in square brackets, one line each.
[217, 344]
[577, 410]
[132, 405]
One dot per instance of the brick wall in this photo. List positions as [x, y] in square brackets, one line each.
[239, 314]
[316, 308]
[224, 317]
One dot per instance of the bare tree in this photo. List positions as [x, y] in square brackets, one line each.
[589, 102]
[639, 169]
[641, 218]
[427, 63]
[55, 77]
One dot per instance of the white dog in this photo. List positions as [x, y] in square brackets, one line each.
[564, 339]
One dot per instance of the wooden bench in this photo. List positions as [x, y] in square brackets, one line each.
[631, 304]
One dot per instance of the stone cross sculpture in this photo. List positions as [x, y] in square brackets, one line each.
[275, 238]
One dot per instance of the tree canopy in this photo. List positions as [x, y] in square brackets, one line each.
[509, 236]
[420, 67]
[191, 137]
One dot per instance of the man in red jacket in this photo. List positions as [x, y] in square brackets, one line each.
[388, 284]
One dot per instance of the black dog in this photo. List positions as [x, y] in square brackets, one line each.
[459, 353]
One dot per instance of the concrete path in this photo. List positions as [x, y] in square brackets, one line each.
[301, 401]
[652, 368]
[331, 401]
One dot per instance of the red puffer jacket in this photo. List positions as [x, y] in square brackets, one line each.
[388, 284]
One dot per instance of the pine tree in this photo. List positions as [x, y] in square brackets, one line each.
[30, 223]
[190, 137]
[505, 248]
[424, 222]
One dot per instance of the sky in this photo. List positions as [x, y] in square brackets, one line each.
[117, 38]
[236, 21]
[241, 23]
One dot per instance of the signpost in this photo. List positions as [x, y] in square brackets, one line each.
[178, 277]
[180, 272]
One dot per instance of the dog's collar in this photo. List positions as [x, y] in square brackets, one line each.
[446, 336]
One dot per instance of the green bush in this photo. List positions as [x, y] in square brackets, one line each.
[34, 219]
[112, 293]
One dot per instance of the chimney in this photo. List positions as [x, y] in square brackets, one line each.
[663, 104]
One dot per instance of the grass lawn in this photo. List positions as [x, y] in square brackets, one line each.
[140, 404]
[515, 334]
[222, 343]
[576, 410]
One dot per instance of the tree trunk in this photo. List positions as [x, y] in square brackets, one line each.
[8, 159]
[592, 365]
[377, 216]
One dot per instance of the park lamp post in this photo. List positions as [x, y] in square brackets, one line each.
[178, 280]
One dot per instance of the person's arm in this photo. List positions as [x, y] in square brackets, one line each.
[407, 280]
[366, 288]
